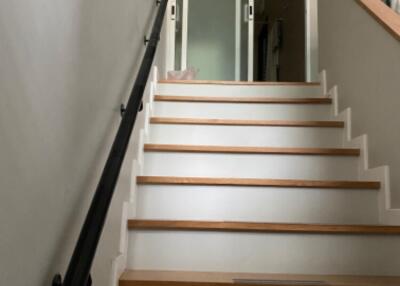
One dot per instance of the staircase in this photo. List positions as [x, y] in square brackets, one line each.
[251, 184]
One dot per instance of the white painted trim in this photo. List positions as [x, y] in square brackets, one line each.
[387, 214]
[238, 22]
[185, 28]
[147, 115]
[171, 27]
[324, 83]
[333, 93]
[155, 77]
[250, 59]
[311, 49]
[118, 266]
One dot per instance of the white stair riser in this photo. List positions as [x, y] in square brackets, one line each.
[236, 90]
[264, 253]
[257, 204]
[313, 167]
[243, 111]
[246, 136]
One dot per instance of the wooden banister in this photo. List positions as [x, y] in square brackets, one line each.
[388, 18]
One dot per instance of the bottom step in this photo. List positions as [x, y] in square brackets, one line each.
[172, 278]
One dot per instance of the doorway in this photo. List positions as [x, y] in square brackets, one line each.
[244, 40]
[280, 40]
[216, 37]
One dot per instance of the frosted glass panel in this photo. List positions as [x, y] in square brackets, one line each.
[211, 38]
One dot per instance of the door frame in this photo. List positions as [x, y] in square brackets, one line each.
[185, 34]
[173, 13]
[250, 57]
[170, 39]
[312, 46]
[238, 19]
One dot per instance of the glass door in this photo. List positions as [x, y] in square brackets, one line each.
[211, 39]
[213, 36]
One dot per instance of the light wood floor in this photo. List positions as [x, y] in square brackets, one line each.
[147, 278]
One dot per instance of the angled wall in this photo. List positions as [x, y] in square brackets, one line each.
[364, 60]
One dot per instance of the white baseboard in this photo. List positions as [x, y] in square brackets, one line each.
[119, 263]
[324, 82]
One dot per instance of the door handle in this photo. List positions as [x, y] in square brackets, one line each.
[173, 12]
[251, 10]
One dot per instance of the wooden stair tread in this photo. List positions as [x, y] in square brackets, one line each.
[215, 99]
[186, 278]
[244, 83]
[250, 150]
[156, 180]
[240, 122]
[187, 225]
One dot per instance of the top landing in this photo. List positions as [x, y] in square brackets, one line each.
[239, 88]
[240, 83]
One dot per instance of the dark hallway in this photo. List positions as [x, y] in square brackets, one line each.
[279, 50]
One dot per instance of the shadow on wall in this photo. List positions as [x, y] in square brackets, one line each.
[119, 45]
[69, 66]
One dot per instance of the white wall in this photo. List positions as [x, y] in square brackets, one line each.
[364, 60]
[65, 68]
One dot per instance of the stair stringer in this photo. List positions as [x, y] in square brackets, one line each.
[120, 262]
[387, 214]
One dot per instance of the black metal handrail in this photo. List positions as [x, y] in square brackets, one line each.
[78, 272]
